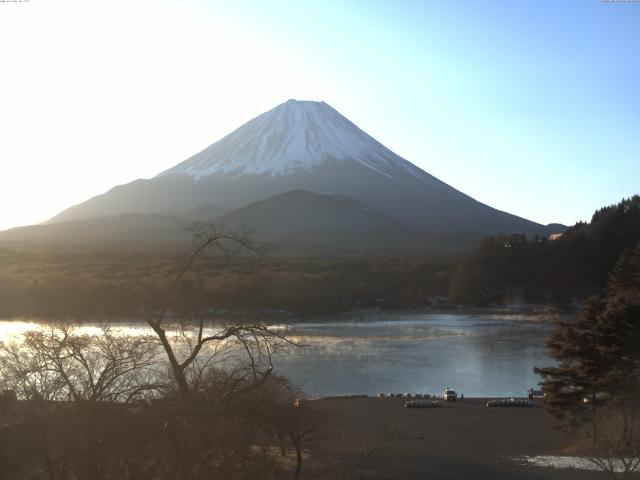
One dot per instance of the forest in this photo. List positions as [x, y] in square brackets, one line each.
[502, 270]
[94, 285]
[515, 269]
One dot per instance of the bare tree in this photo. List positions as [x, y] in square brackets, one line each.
[190, 338]
[303, 423]
[294, 419]
[615, 448]
[215, 366]
[55, 363]
[76, 390]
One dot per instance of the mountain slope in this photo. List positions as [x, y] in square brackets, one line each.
[204, 212]
[299, 210]
[302, 220]
[309, 146]
[292, 222]
[132, 230]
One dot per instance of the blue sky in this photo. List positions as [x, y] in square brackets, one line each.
[530, 107]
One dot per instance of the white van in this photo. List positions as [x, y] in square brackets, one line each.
[449, 395]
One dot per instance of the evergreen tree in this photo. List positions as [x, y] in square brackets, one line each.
[618, 334]
[572, 387]
[624, 279]
[598, 357]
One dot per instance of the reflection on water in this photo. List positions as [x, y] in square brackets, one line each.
[479, 355]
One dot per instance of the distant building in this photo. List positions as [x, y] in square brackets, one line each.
[555, 236]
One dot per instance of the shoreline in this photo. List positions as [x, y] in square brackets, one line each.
[538, 311]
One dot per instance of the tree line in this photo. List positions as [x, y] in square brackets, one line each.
[83, 286]
[517, 269]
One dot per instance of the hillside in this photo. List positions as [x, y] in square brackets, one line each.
[514, 269]
[299, 218]
[295, 222]
[132, 231]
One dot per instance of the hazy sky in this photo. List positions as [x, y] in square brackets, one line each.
[530, 107]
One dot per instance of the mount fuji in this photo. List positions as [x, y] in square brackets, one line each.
[297, 136]
[310, 147]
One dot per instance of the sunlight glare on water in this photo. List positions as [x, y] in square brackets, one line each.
[477, 354]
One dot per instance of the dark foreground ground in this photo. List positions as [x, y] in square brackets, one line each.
[379, 439]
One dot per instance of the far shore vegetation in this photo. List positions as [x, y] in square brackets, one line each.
[501, 271]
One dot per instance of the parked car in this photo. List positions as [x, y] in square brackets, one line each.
[531, 393]
[449, 395]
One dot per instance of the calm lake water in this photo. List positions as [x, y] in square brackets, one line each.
[476, 354]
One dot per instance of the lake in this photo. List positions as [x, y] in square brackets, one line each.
[476, 354]
[479, 355]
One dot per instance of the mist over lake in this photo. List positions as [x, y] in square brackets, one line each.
[480, 355]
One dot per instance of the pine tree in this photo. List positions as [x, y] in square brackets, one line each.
[624, 279]
[598, 356]
[571, 388]
[618, 333]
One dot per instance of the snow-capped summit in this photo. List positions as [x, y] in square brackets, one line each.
[294, 136]
[301, 145]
